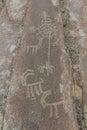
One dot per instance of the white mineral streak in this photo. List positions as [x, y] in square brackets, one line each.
[12, 48]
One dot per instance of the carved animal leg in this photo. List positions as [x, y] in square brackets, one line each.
[32, 91]
[56, 111]
[28, 92]
[51, 111]
[37, 90]
[40, 89]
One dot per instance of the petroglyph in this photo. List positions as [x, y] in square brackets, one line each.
[32, 48]
[52, 106]
[34, 98]
[25, 76]
[46, 30]
[47, 67]
[33, 89]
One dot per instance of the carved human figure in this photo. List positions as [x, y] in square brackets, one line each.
[47, 29]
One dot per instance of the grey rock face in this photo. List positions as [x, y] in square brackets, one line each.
[40, 89]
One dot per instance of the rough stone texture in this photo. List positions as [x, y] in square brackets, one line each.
[1, 5]
[70, 11]
[83, 57]
[10, 34]
[40, 89]
[16, 10]
[75, 37]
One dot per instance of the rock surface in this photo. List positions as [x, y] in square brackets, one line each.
[10, 34]
[37, 75]
[40, 89]
[75, 39]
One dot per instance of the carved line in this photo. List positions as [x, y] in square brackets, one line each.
[52, 106]
[33, 89]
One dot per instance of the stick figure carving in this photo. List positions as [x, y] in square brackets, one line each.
[33, 89]
[47, 30]
[52, 106]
